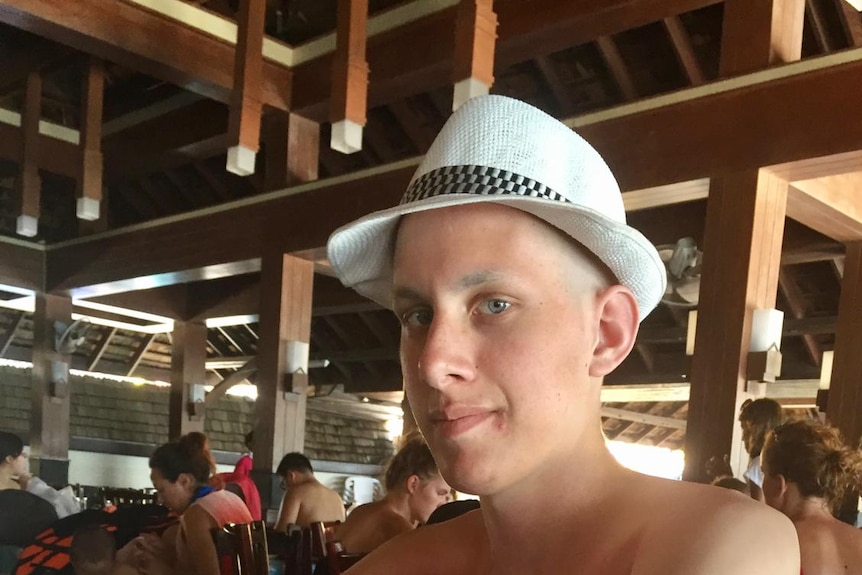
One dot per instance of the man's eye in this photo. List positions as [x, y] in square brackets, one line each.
[493, 306]
[417, 318]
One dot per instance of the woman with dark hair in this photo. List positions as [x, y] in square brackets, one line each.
[807, 470]
[757, 418]
[180, 472]
[414, 489]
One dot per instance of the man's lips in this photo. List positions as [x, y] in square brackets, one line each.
[454, 421]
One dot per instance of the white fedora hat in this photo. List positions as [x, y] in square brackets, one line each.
[500, 150]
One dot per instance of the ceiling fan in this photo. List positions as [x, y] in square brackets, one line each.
[682, 261]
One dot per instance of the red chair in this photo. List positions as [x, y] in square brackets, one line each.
[242, 549]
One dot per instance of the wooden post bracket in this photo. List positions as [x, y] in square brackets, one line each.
[475, 40]
[349, 97]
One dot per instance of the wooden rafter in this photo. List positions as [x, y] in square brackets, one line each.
[416, 133]
[829, 205]
[99, 350]
[9, 336]
[851, 22]
[217, 185]
[191, 195]
[683, 50]
[815, 20]
[549, 75]
[756, 35]
[138, 355]
[792, 294]
[617, 66]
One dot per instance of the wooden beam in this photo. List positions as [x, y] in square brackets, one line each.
[218, 185]
[188, 354]
[138, 355]
[222, 387]
[829, 205]
[55, 156]
[475, 39]
[683, 50]
[816, 23]
[99, 351]
[757, 34]
[617, 66]
[407, 120]
[525, 30]
[29, 183]
[744, 231]
[22, 264]
[549, 75]
[89, 192]
[793, 295]
[292, 151]
[246, 100]
[349, 93]
[646, 418]
[9, 336]
[845, 392]
[161, 47]
[851, 22]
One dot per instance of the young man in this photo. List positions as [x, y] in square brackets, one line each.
[519, 286]
[306, 500]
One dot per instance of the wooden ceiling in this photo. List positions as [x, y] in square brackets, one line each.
[164, 143]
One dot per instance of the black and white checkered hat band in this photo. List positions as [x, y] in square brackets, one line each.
[476, 180]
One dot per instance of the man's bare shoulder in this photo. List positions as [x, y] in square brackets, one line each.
[454, 547]
[700, 530]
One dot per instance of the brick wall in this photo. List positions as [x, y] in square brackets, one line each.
[119, 411]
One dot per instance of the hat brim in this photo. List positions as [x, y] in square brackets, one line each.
[361, 252]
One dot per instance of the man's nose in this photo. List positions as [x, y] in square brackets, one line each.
[445, 356]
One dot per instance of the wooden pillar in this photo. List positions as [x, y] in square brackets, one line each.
[742, 248]
[29, 183]
[188, 376]
[845, 391]
[475, 41]
[246, 98]
[49, 415]
[282, 382]
[90, 181]
[757, 34]
[349, 95]
[742, 257]
[292, 150]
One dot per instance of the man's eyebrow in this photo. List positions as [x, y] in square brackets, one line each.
[465, 282]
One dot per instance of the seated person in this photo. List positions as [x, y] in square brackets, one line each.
[414, 489]
[807, 469]
[306, 500]
[519, 287]
[757, 418]
[180, 472]
[92, 551]
[14, 475]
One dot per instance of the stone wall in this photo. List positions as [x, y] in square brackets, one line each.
[125, 412]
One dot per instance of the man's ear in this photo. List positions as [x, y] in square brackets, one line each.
[617, 314]
[413, 483]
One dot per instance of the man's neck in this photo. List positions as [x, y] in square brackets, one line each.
[512, 519]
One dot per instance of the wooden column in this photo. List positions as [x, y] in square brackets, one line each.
[29, 183]
[349, 95]
[844, 406]
[742, 256]
[475, 40]
[282, 382]
[49, 415]
[742, 248]
[90, 182]
[247, 95]
[188, 375]
[292, 150]
[757, 34]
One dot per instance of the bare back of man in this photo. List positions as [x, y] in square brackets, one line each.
[651, 526]
[829, 547]
[310, 502]
[370, 526]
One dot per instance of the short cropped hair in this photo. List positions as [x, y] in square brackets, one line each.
[414, 458]
[294, 461]
[814, 457]
[10, 445]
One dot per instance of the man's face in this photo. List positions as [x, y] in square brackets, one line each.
[499, 324]
[426, 495]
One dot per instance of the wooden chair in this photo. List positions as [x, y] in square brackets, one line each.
[242, 549]
[329, 553]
